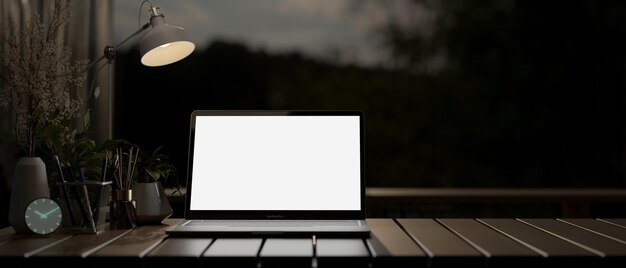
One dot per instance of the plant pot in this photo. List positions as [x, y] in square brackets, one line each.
[152, 204]
[30, 182]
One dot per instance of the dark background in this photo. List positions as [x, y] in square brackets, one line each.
[531, 95]
[522, 94]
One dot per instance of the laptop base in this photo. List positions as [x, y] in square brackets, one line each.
[235, 228]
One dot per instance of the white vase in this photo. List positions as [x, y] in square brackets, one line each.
[30, 182]
[152, 204]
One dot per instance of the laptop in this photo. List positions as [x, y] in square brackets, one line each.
[275, 173]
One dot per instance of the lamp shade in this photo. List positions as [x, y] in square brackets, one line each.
[164, 44]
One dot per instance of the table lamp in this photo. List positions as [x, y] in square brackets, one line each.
[164, 44]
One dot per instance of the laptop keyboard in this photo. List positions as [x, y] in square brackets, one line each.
[271, 223]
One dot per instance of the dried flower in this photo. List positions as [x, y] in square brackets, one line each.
[37, 77]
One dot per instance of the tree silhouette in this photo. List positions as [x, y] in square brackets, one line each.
[530, 95]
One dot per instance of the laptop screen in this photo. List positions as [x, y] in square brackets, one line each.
[276, 162]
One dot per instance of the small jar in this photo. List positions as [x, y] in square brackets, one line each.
[123, 213]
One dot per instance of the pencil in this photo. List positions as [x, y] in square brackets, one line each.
[85, 200]
[65, 193]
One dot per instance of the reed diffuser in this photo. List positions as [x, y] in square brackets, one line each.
[122, 207]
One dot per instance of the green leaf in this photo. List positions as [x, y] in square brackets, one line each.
[154, 175]
[87, 119]
[96, 92]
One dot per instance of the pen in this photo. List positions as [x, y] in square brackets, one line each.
[105, 162]
[66, 194]
[115, 162]
[85, 200]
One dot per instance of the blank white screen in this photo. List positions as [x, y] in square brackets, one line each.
[276, 163]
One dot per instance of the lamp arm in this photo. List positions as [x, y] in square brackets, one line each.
[109, 51]
[143, 28]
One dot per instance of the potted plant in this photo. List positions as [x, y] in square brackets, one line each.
[37, 77]
[152, 204]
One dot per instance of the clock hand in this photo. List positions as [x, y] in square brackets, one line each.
[41, 215]
[51, 211]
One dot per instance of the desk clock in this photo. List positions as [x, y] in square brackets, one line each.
[43, 216]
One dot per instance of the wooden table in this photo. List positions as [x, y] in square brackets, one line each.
[393, 243]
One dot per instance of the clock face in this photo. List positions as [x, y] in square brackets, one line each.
[43, 216]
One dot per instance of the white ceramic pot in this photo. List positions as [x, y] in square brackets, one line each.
[152, 204]
[30, 182]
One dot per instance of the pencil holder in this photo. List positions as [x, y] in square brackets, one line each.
[122, 210]
[84, 205]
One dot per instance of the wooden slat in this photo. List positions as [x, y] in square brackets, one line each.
[588, 240]
[391, 246]
[7, 238]
[606, 229]
[442, 246]
[77, 248]
[7, 230]
[557, 252]
[7, 234]
[620, 222]
[133, 246]
[294, 252]
[233, 252]
[550, 245]
[341, 253]
[234, 247]
[181, 247]
[178, 252]
[82, 245]
[498, 248]
[27, 246]
[296, 247]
